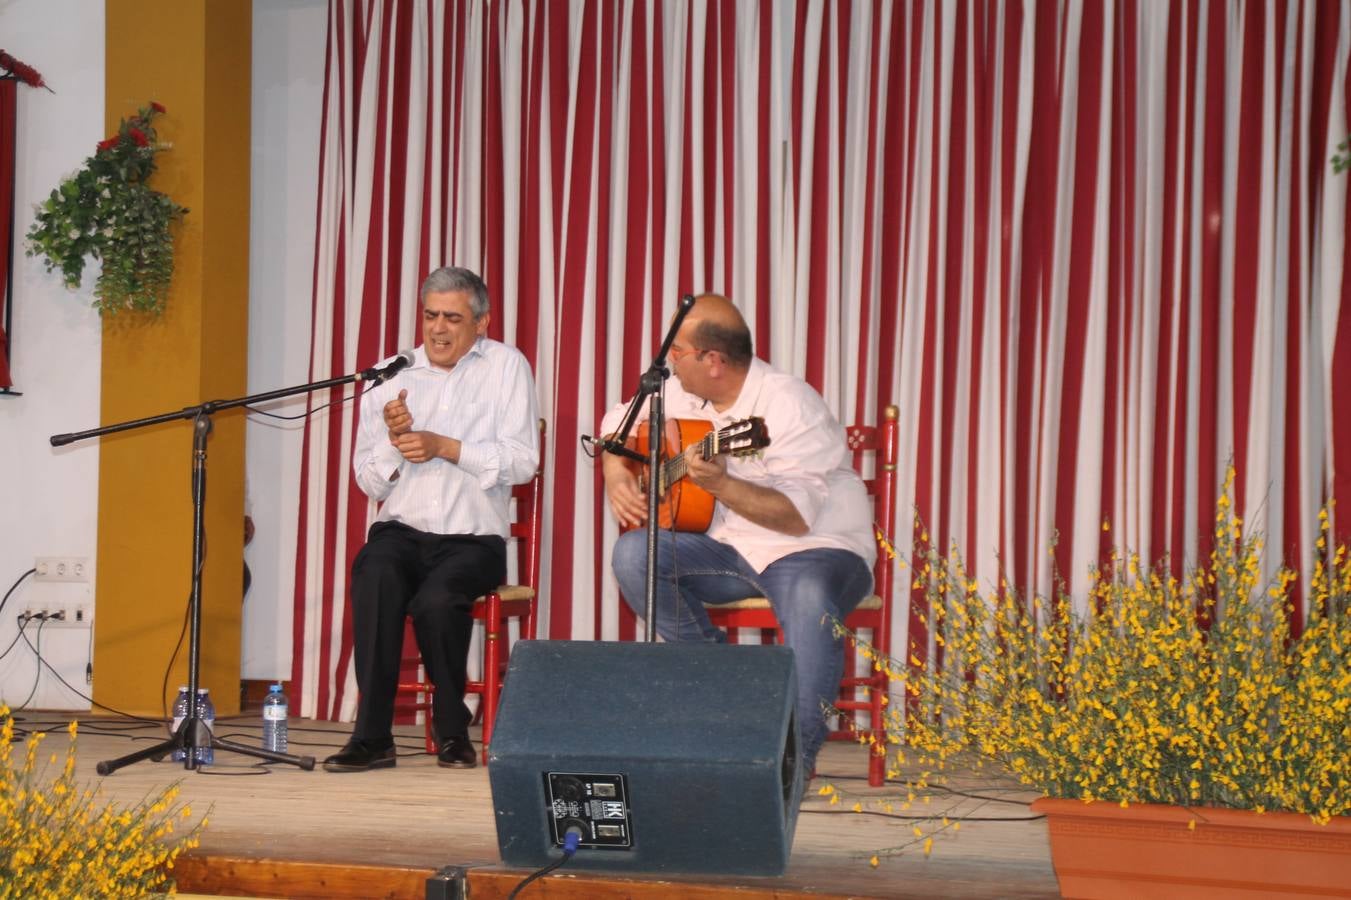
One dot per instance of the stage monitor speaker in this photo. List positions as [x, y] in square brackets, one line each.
[665, 757]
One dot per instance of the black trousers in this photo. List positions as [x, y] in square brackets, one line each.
[434, 579]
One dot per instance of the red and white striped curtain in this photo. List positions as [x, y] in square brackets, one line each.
[1093, 250]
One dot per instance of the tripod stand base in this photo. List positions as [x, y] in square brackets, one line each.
[191, 735]
[304, 762]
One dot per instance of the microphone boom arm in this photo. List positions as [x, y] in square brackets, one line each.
[209, 407]
[193, 734]
[649, 383]
[650, 386]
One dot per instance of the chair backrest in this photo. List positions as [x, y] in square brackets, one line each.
[527, 520]
[874, 448]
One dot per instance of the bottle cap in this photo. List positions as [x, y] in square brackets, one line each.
[275, 689]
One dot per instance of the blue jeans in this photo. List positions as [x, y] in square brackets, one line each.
[806, 589]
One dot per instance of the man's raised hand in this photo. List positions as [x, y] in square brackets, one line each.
[397, 417]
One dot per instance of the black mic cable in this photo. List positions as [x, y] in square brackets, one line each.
[571, 841]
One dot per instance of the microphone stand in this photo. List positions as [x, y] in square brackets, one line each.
[650, 385]
[193, 733]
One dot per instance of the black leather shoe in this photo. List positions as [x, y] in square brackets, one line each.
[358, 756]
[457, 753]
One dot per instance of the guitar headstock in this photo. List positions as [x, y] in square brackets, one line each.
[743, 437]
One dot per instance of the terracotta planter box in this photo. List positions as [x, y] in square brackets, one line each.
[1144, 850]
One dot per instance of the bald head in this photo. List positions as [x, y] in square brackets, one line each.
[714, 323]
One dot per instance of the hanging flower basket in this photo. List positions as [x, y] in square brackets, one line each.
[107, 210]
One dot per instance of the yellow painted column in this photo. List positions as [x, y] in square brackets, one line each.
[192, 56]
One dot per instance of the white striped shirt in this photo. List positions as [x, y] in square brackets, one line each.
[488, 403]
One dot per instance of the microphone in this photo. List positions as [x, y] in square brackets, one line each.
[608, 445]
[388, 371]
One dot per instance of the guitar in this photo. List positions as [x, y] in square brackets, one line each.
[685, 506]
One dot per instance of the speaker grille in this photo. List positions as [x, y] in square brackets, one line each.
[698, 742]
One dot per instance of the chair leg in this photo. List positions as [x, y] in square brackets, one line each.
[877, 747]
[421, 688]
[877, 726]
[877, 766]
[492, 668]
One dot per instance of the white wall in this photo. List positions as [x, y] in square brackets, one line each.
[48, 497]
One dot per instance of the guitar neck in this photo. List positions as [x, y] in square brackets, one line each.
[677, 467]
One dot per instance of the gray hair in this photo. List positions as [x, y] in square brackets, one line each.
[453, 279]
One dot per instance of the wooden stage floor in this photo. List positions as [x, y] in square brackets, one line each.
[277, 831]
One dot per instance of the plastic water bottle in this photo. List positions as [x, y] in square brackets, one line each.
[275, 710]
[180, 713]
[206, 711]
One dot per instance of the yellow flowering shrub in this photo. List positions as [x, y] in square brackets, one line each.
[56, 842]
[1195, 692]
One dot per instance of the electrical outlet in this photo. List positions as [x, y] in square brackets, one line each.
[63, 616]
[62, 568]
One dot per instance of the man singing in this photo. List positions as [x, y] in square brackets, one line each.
[440, 446]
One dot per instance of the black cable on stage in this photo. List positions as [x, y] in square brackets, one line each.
[886, 815]
[411, 749]
[168, 670]
[14, 587]
[37, 670]
[92, 702]
[570, 843]
[23, 623]
[943, 788]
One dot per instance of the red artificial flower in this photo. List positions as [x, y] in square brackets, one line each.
[108, 144]
[157, 106]
[22, 71]
[139, 137]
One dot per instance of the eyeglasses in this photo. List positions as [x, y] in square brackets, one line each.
[677, 353]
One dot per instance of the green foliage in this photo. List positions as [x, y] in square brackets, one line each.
[108, 210]
[1341, 160]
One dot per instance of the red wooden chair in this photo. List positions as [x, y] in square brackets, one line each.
[495, 611]
[865, 691]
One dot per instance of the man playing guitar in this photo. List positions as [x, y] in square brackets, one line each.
[790, 523]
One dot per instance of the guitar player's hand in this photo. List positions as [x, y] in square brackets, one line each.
[709, 474]
[627, 500]
[758, 503]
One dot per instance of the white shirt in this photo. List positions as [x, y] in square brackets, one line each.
[806, 460]
[488, 403]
